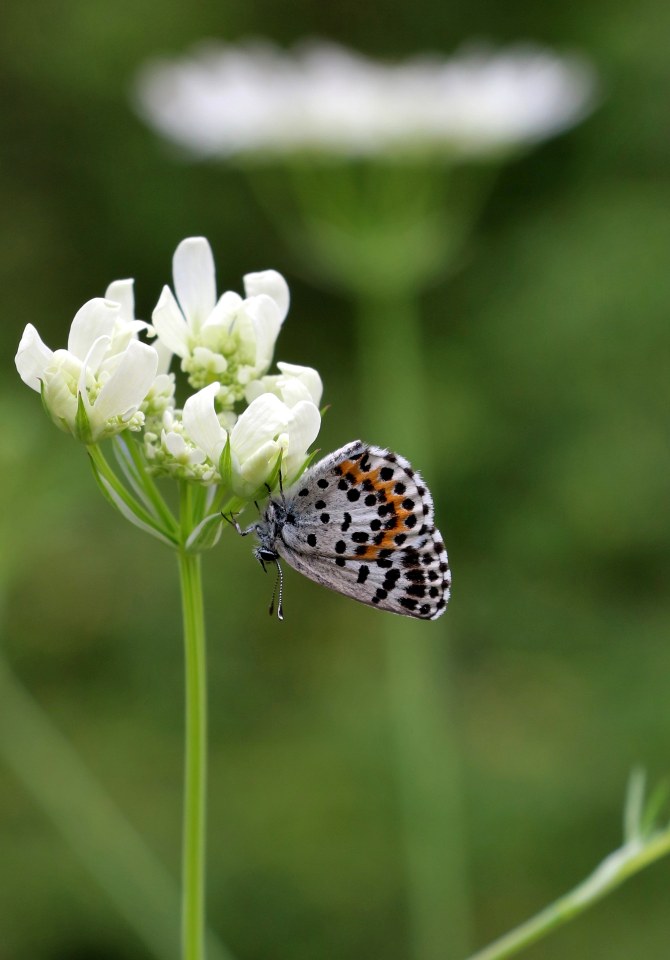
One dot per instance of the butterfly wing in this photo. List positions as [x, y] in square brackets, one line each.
[361, 522]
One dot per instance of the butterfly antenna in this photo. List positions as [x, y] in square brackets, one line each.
[279, 582]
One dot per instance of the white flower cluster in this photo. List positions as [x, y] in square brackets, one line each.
[234, 100]
[108, 380]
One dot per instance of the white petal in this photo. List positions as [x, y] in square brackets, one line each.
[32, 357]
[202, 424]
[121, 292]
[304, 425]
[271, 283]
[129, 384]
[175, 444]
[263, 419]
[264, 315]
[258, 387]
[170, 325]
[94, 320]
[254, 471]
[225, 310]
[195, 280]
[164, 355]
[308, 376]
[293, 391]
[90, 366]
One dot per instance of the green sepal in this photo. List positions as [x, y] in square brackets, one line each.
[226, 465]
[82, 426]
[206, 534]
[44, 399]
[59, 421]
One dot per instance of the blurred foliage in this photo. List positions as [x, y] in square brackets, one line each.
[547, 359]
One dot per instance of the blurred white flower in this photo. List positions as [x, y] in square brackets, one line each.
[267, 428]
[95, 388]
[229, 340]
[233, 100]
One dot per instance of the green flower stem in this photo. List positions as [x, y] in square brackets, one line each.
[195, 784]
[149, 485]
[107, 473]
[393, 379]
[611, 873]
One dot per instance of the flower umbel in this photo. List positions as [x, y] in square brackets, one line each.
[108, 381]
[229, 340]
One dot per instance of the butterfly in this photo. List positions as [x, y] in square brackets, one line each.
[360, 522]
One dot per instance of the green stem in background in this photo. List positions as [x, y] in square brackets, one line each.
[110, 848]
[393, 376]
[611, 873]
[195, 782]
[102, 838]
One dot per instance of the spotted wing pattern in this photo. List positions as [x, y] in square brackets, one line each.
[361, 522]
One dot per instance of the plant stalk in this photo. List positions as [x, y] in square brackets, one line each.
[195, 781]
[393, 381]
[611, 873]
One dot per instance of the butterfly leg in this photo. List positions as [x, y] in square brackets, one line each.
[232, 520]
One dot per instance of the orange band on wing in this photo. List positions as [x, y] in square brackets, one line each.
[357, 477]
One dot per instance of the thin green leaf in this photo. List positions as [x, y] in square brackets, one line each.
[658, 799]
[634, 805]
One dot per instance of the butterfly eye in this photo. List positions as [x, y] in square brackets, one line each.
[266, 556]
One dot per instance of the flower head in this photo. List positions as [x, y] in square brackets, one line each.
[228, 340]
[255, 99]
[94, 388]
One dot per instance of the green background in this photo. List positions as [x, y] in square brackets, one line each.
[547, 366]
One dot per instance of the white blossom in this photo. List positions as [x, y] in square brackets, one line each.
[226, 100]
[94, 388]
[229, 340]
[293, 384]
[267, 428]
[160, 396]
